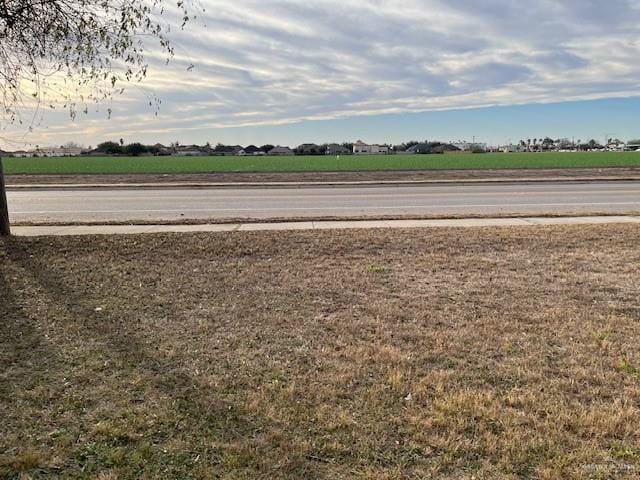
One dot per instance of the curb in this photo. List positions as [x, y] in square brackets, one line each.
[368, 183]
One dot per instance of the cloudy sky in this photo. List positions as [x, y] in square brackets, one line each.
[286, 71]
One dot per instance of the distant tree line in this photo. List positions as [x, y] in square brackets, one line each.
[137, 149]
[132, 149]
[412, 146]
[549, 144]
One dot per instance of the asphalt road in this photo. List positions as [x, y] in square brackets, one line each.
[104, 204]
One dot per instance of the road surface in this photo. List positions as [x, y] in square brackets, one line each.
[113, 204]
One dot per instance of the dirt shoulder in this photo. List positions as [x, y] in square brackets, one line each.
[412, 176]
[496, 353]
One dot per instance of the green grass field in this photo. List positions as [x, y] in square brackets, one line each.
[126, 165]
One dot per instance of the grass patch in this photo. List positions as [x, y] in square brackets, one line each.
[462, 161]
[25, 460]
[376, 268]
[626, 451]
[625, 366]
[479, 353]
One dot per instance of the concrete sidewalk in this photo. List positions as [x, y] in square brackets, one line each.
[30, 231]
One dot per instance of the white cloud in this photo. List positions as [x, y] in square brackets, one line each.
[260, 62]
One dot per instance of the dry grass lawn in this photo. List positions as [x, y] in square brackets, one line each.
[450, 354]
[380, 176]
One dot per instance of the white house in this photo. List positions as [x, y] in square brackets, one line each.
[21, 153]
[466, 146]
[616, 146]
[59, 152]
[49, 152]
[511, 148]
[360, 148]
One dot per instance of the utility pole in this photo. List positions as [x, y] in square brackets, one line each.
[5, 226]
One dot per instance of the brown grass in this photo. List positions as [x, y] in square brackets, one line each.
[411, 175]
[454, 353]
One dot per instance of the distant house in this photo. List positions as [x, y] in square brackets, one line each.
[431, 147]
[633, 147]
[251, 150]
[59, 152]
[188, 151]
[616, 146]
[511, 148]
[48, 152]
[229, 150]
[280, 151]
[160, 149]
[335, 149]
[360, 148]
[309, 149]
[226, 149]
[22, 153]
[418, 148]
[468, 146]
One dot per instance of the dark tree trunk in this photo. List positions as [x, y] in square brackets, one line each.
[5, 226]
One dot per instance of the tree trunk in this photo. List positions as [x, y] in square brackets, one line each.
[5, 226]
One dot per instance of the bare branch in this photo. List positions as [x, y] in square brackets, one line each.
[77, 52]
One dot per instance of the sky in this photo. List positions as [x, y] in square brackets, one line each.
[287, 72]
